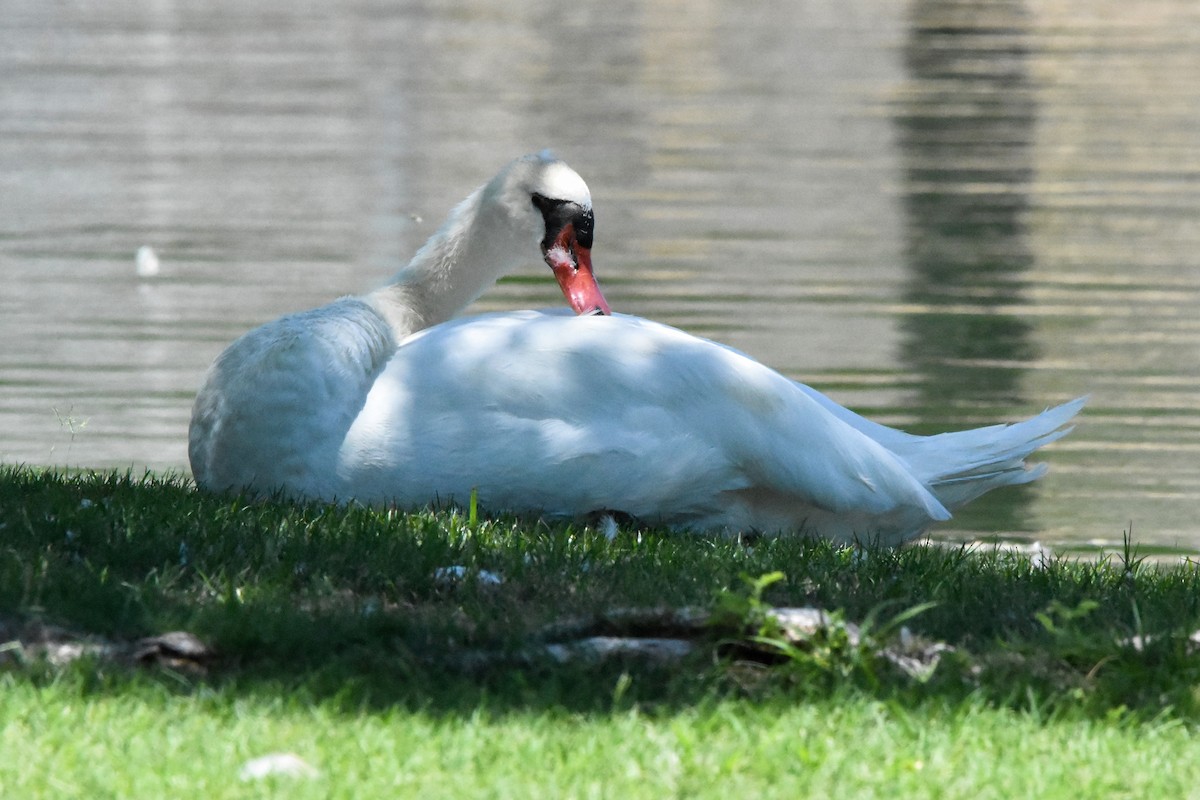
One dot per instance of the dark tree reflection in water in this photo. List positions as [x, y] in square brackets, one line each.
[965, 132]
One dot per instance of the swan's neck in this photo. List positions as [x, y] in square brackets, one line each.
[471, 250]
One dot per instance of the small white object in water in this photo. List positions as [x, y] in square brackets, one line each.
[288, 764]
[147, 262]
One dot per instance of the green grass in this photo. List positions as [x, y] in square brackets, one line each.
[148, 742]
[337, 641]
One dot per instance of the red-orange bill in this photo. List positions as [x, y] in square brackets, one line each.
[574, 275]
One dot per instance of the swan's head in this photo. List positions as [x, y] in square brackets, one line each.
[549, 200]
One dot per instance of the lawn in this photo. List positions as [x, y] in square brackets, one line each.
[436, 654]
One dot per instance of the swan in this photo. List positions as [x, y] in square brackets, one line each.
[383, 399]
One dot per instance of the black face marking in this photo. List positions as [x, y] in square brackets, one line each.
[558, 213]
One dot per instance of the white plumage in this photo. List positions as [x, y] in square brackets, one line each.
[380, 400]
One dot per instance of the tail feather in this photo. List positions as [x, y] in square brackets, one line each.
[962, 465]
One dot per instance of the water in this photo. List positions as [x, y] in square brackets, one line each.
[944, 214]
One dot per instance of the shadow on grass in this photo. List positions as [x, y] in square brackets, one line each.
[357, 609]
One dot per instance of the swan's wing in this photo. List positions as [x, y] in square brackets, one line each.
[571, 414]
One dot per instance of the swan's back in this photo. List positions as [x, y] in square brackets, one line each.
[566, 415]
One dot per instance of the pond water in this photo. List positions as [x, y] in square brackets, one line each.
[944, 214]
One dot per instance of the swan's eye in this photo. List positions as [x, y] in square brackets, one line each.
[585, 223]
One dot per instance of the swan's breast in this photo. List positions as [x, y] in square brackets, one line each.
[276, 404]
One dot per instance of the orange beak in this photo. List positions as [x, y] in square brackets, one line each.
[572, 266]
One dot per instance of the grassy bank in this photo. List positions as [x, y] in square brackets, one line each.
[353, 639]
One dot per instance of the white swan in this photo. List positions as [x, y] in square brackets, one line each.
[379, 400]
